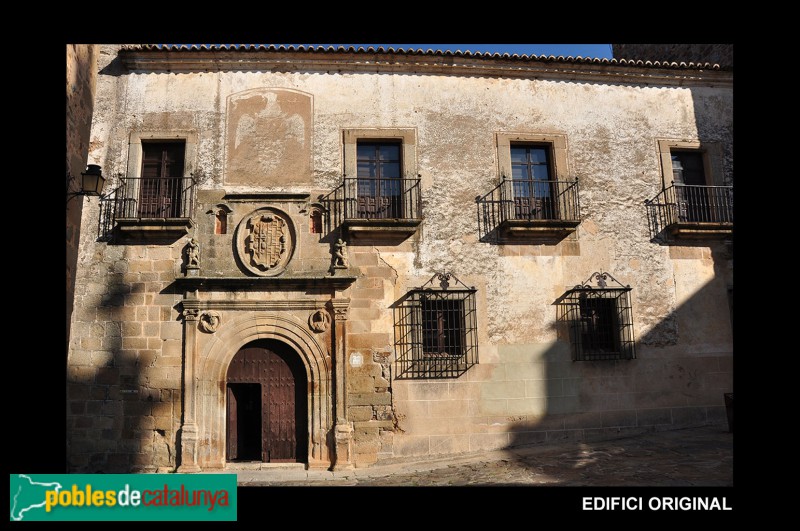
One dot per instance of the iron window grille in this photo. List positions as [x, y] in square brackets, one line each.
[436, 333]
[600, 320]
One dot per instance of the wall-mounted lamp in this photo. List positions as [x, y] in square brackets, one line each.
[92, 182]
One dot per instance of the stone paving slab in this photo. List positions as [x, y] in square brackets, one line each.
[701, 456]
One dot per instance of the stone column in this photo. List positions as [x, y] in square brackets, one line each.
[189, 430]
[343, 432]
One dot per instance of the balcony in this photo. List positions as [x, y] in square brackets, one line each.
[148, 210]
[691, 212]
[375, 209]
[523, 211]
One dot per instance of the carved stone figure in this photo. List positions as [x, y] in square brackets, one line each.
[340, 255]
[193, 253]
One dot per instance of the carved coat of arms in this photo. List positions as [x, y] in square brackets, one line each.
[264, 242]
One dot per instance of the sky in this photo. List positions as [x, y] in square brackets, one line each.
[599, 51]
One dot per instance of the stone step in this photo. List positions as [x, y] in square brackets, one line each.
[257, 465]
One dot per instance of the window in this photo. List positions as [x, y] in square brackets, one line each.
[221, 222]
[379, 183]
[155, 199]
[379, 199]
[598, 325]
[532, 157]
[535, 199]
[600, 320]
[687, 167]
[436, 331]
[218, 215]
[443, 326]
[315, 221]
[531, 171]
[698, 190]
[695, 201]
[161, 181]
[691, 162]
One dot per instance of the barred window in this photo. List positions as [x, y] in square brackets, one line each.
[442, 325]
[600, 320]
[436, 331]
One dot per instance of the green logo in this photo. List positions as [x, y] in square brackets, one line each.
[122, 497]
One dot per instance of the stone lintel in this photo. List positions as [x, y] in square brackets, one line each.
[289, 197]
[297, 282]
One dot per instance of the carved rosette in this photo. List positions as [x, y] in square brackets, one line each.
[319, 321]
[209, 321]
[265, 241]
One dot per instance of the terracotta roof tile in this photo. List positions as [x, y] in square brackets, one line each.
[458, 53]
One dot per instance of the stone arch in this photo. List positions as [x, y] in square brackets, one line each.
[213, 364]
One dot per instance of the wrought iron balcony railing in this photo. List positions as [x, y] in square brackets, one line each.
[362, 199]
[528, 203]
[147, 199]
[690, 210]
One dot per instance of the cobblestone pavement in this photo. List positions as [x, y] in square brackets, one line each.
[701, 456]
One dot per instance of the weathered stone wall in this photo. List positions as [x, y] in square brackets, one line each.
[525, 388]
[124, 368]
[81, 80]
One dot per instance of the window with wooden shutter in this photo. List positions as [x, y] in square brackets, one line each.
[161, 184]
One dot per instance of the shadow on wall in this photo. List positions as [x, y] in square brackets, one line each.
[683, 368]
[683, 365]
[123, 408]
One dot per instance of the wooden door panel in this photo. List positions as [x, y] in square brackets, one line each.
[281, 411]
[277, 425]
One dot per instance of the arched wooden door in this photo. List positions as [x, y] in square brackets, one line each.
[266, 404]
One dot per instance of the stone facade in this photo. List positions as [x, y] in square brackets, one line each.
[268, 138]
[81, 80]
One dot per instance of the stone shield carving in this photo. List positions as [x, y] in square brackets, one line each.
[319, 321]
[209, 321]
[265, 242]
